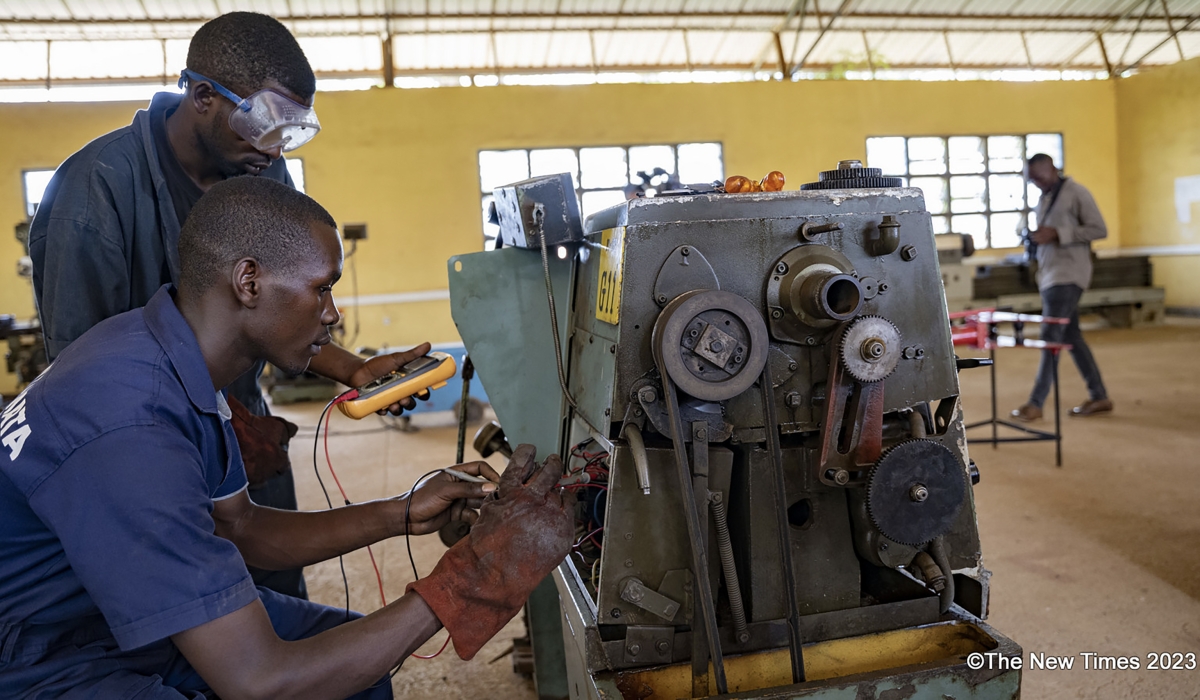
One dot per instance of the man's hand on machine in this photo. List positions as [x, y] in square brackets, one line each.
[520, 537]
[443, 498]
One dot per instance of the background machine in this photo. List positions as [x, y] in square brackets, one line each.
[759, 399]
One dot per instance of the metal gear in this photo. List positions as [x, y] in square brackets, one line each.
[870, 348]
[915, 491]
[855, 177]
[857, 183]
[849, 173]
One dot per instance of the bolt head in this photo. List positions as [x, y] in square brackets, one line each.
[662, 646]
[662, 298]
[776, 313]
[616, 612]
[810, 340]
[883, 286]
[781, 268]
[842, 477]
[792, 366]
[648, 394]
[685, 251]
[908, 252]
[628, 563]
[634, 649]
[629, 535]
[716, 346]
[792, 399]
[918, 493]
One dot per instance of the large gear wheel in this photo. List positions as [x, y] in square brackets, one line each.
[858, 183]
[852, 177]
[870, 348]
[915, 491]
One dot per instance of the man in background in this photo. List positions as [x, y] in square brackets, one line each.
[106, 235]
[1068, 221]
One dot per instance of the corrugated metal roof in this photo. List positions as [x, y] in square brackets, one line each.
[133, 39]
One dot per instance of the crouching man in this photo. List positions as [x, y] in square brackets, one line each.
[125, 528]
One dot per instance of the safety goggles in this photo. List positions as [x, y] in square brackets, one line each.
[266, 119]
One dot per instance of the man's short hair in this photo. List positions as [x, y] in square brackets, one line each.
[243, 50]
[1041, 158]
[247, 217]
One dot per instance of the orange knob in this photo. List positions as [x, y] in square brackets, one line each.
[773, 182]
[739, 183]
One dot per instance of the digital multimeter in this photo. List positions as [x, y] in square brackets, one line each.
[424, 373]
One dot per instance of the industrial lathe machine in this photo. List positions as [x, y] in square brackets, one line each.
[758, 399]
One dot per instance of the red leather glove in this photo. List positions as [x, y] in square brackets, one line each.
[483, 580]
[263, 441]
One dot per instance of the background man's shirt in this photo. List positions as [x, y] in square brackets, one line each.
[1078, 221]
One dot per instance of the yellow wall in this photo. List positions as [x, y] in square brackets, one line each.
[405, 161]
[1158, 129]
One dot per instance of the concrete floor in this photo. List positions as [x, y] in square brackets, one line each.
[1099, 556]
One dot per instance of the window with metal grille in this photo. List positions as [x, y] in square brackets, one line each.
[603, 176]
[973, 184]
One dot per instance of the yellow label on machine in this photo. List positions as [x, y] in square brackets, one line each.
[608, 291]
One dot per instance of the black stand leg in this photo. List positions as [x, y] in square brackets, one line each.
[1027, 434]
[1057, 417]
[992, 369]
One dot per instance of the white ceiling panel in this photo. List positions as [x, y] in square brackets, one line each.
[342, 37]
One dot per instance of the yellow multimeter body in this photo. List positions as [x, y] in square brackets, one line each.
[422, 374]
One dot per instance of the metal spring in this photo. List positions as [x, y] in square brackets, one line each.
[725, 548]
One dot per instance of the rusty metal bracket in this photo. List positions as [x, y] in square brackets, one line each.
[851, 439]
[646, 645]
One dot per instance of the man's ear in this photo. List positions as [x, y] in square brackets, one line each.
[247, 282]
[202, 96]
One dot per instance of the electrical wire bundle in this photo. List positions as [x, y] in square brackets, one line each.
[589, 481]
[323, 437]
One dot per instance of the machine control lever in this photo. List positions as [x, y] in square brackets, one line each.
[635, 592]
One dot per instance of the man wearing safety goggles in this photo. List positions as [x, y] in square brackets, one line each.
[105, 238]
[268, 120]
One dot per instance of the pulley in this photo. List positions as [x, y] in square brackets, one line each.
[712, 343]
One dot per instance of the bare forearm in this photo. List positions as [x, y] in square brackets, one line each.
[354, 656]
[280, 539]
[240, 657]
[336, 363]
